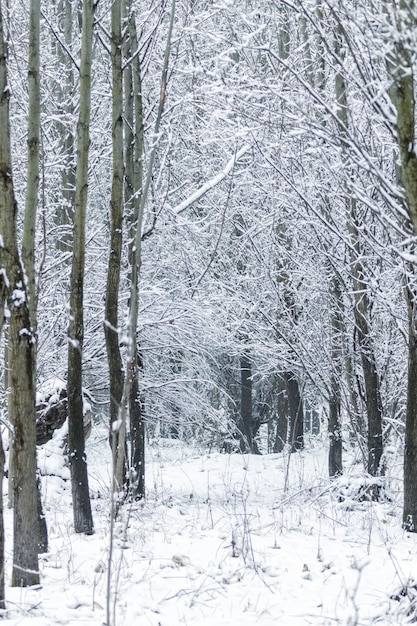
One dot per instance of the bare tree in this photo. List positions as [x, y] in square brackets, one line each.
[31, 207]
[83, 521]
[362, 302]
[111, 325]
[22, 359]
[401, 68]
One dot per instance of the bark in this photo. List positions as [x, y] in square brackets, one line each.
[83, 522]
[290, 426]
[295, 412]
[358, 432]
[337, 327]
[137, 431]
[290, 408]
[21, 345]
[283, 33]
[136, 401]
[361, 294]
[2, 590]
[65, 94]
[309, 66]
[31, 208]
[404, 101]
[10, 414]
[32, 184]
[410, 449]
[141, 193]
[335, 425]
[25, 553]
[246, 440]
[403, 97]
[281, 437]
[117, 428]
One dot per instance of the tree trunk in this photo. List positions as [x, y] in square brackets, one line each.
[117, 429]
[361, 295]
[335, 425]
[31, 209]
[281, 437]
[246, 443]
[410, 449]
[2, 590]
[21, 345]
[335, 434]
[137, 431]
[141, 193]
[295, 412]
[83, 522]
[402, 94]
[64, 214]
[136, 403]
[26, 529]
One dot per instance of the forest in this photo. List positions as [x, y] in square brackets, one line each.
[208, 222]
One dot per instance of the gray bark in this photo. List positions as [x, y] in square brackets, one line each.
[83, 522]
[281, 436]
[31, 208]
[65, 94]
[138, 448]
[245, 426]
[361, 294]
[117, 430]
[295, 412]
[403, 96]
[335, 425]
[136, 401]
[25, 520]
[410, 448]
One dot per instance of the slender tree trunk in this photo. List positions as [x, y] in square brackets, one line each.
[335, 434]
[410, 449]
[31, 208]
[111, 329]
[141, 192]
[32, 184]
[290, 427]
[136, 402]
[281, 437]
[335, 425]
[316, 77]
[403, 96]
[335, 429]
[21, 345]
[3, 297]
[83, 522]
[246, 403]
[26, 529]
[65, 93]
[10, 414]
[2, 590]
[361, 295]
[295, 412]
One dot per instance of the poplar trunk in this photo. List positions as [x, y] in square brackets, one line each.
[83, 522]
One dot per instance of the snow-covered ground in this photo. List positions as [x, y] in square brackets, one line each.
[223, 540]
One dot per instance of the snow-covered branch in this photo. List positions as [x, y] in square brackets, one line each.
[185, 204]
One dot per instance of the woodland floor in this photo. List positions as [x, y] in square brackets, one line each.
[224, 540]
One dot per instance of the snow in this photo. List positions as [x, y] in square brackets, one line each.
[18, 297]
[185, 204]
[3, 273]
[221, 539]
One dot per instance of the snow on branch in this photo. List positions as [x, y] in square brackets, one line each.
[210, 183]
